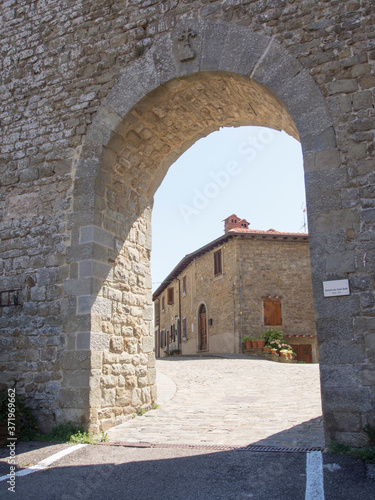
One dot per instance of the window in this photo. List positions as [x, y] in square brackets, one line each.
[184, 285]
[272, 312]
[163, 304]
[217, 263]
[170, 298]
[162, 339]
[173, 333]
[184, 328]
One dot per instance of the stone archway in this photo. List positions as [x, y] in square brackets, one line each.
[199, 77]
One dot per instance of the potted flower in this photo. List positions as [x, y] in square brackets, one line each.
[261, 343]
[248, 341]
[267, 348]
[287, 353]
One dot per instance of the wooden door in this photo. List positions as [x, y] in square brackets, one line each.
[304, 352]
[202, 328]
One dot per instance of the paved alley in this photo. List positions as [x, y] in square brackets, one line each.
[231, 401]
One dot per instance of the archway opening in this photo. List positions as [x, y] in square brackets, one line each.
[157, 130]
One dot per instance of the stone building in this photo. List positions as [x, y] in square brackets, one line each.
[240, 284]
[98, 99]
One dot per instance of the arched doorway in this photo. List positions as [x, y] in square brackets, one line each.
[202, 325]
[160, 106]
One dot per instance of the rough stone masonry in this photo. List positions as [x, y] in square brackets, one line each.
[98, 99]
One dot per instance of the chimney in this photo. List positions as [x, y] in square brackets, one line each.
[234, 222]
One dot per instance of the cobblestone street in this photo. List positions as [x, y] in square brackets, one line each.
[231, 401]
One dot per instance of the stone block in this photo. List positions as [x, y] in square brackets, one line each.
[136, 397]
[310, 101]
[99, 341]
[94, 234]
[102, 306]
[163, 58]
[29, 174]
[96, 361]
[326, 160]
[75, 360]
[212, 47]
[341, 263]
[346, 400]
[151, 376]
[146, 395]
[73, 398]
[131, 381]
[107, 117]
[139, 78]
[275, 61]
[323, 190]
[83, 341]
[338, 376]
[108, 397]
[335, 329]
[332, 353]
[341, 421]
[343, 86]
[116, 344]
[91, 268]
[367, 375]
[148, 344]
[76, 378]
[241, 50]
[123, 397]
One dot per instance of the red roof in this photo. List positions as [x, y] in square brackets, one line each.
[259, 231]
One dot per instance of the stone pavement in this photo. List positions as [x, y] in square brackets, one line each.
[231, 400]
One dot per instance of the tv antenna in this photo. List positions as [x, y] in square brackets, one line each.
[304, 226]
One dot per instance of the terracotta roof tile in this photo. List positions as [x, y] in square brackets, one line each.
[259, 231]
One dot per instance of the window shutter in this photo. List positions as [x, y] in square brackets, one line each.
[272, 313]
[184, 328]
[171, 295]
[217, 263]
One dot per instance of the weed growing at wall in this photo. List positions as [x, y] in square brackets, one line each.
[365, 453]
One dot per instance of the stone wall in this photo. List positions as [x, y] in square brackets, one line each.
[97, 101]
[281, 268]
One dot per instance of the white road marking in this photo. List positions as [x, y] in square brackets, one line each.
[45, 463]
[314, 476]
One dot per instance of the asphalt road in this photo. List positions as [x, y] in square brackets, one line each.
[197, 444]
[116, 472]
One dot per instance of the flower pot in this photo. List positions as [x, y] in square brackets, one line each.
[249, 344]
[255, 344]
[261, 343]
[273, 351]
[266, 349]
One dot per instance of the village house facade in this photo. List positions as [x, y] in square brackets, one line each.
[240, 284]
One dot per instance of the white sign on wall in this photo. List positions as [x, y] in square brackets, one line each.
[336, 288]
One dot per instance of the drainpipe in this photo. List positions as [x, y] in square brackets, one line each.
[179, 317]
[241, 307]
[234, 323]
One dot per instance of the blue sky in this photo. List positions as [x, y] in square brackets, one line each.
[253, 172]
